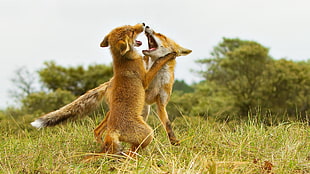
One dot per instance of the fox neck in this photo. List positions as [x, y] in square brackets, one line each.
[131, 61]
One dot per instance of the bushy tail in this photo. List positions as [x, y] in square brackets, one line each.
[80, 107]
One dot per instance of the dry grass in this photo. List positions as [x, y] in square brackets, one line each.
[207, 147]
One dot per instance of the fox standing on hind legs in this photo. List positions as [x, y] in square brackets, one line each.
[130, 80]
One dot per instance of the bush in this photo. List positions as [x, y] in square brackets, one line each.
[42, 102]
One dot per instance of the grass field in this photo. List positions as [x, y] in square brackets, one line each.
[206, 147]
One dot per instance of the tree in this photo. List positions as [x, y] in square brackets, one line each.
[237, 67]
[43, 102]
[289, 88]
[77, 80]
[242, 78]
[59, 86]
[181, 85]
[24, 83]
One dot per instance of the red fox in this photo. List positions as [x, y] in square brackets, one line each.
[160, 88]
[128, 86]
[158, 92]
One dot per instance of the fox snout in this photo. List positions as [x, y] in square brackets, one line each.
[148, 30]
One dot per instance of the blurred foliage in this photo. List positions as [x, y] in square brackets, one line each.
[241, 79]
[288, 89]
[42, 102]
[77, 80]
[181, 85]
[25, 83]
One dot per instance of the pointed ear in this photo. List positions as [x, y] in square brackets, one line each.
[184, 51]
[123, 47]
[105, 42]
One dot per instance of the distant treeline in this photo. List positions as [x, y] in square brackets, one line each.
[240, 79]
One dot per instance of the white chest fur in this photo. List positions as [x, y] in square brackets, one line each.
[156, 88]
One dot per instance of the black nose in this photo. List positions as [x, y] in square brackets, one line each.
[147, 27]
[143, 23]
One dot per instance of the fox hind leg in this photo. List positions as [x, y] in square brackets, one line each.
[111, 143]
[140, 138]
[163, 116]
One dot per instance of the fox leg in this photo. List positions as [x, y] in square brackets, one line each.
[111, 143]
[136, 146]
[140, 136]
[162, 113]
[98, 131]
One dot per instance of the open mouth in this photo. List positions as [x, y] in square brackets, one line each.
[137, 43]
[151, 42]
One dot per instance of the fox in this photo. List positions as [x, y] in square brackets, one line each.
[128, 86]
[159, 91]
[160, 88]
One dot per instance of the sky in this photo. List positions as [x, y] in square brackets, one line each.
[69, 32]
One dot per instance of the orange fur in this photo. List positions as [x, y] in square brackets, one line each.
[160, 87]
[130, 80]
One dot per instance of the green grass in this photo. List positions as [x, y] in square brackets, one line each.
[206, 147]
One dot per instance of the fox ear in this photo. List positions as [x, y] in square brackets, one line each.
[123, 47]
[184, 51]
[105, 42]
